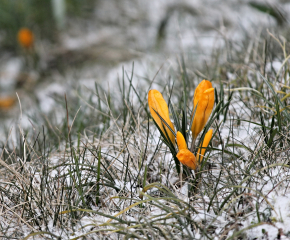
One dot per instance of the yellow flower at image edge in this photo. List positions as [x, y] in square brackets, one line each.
[185, 156]
[25, 37]
[156, 102]
[6, 102]
[204, 100]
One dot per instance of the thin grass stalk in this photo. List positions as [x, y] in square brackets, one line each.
[98, 177]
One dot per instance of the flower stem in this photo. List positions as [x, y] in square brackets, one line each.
[192, 147]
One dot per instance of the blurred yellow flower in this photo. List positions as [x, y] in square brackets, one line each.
[204, 100]
[203, 146]
[25, 38]
[6, 102]
[156, 102]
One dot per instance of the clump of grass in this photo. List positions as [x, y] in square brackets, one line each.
[103, 172]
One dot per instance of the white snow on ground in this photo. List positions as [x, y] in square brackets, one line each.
[45, 96]
[8, 74]
[245, 133]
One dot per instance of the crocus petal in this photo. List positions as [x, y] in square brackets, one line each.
[156, 102]
[204, 99]
[181, 143]
[202, 148]
[187, 158]
[25, 37]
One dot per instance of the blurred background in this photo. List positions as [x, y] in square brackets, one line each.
[56, 47]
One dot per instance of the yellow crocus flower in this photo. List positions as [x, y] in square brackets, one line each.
[185, 156]
[203, 146]
[204, 100]
[156, 102]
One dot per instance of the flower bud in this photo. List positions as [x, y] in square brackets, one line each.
[204, 100]
[181, 143]
[156, 102]
[187, 158]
